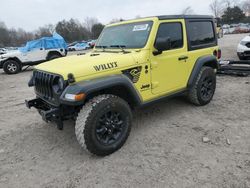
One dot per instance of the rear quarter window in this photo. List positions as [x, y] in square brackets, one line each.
[201, 34]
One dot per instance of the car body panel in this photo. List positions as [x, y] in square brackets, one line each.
[242, 48]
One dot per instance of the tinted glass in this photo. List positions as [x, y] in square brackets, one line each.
[173, 31]
[133, 35]
[201, 33]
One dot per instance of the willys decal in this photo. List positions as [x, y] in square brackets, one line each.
[106, 66]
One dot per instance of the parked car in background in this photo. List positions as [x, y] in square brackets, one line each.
[3, 51]
[73, 43]
[243, 49]
[236, 28]
[219, 31]
[79, 46]
[92, 43]
[34, 52]
[242, 29]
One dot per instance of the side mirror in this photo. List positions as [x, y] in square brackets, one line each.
[162, 44]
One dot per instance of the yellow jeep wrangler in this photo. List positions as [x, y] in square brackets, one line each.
[133, 64]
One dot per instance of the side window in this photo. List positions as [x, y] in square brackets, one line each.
[50, 44]
[201, 33]
[174, 32]
[35, 45]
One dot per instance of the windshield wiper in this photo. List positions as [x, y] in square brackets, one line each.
[119, 46]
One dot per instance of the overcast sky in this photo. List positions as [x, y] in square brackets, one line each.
[30, 14]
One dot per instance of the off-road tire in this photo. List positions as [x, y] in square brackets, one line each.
[195, 93]
[12, 67]
[87, 124]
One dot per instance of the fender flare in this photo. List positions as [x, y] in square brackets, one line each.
[95, 85]
[208, 60]
[10, 58]
[53, 52]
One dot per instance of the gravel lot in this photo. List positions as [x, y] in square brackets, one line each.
[165, 148]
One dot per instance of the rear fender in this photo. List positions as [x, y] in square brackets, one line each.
[209, 61]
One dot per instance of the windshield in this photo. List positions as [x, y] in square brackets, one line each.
[134, 35]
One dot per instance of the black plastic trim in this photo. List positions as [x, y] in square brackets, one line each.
[198, 47]
[166, 17]
[198, 65]
[163, 98]
[91, 86]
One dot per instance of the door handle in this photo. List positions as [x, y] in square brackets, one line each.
[183, 58]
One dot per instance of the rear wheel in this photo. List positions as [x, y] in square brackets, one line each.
[53, 56]
[204, 88]
[103, 125]
[12, 67]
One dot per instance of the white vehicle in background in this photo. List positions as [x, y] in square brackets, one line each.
[3, 51]
[35, 52]
[79, 46]
[243, 49]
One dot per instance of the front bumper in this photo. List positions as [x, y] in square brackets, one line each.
[244, 54]
[1, 63]
[49, 113]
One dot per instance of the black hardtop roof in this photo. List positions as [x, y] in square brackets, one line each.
[165, 17]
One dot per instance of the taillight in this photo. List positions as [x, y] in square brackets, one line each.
[217, 53]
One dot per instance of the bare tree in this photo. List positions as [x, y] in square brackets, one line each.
[90, 22]
[230, 3]
[116, 20]
[187, 10]
[246, 7]
[46, 30]
[217, 8]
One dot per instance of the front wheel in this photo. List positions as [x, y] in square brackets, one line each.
[12, 67]
[103, 125]
[204, 88]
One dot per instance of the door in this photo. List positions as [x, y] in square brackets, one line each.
[36, 52]
[170, 68]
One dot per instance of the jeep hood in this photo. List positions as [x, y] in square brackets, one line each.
[88, 64]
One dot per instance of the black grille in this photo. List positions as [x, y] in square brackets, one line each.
[44, 83]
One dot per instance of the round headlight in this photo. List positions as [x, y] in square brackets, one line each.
[58, 85]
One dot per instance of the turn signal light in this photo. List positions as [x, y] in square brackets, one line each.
[78, 97]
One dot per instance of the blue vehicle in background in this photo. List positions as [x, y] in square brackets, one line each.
[33, 53]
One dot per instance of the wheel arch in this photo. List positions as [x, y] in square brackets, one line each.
[14, 59]
[210, 61]
[50, 53]
[118, 85]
